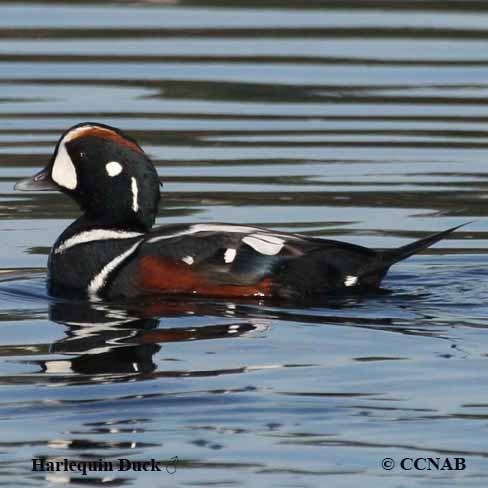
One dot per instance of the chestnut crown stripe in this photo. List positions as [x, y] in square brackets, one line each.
[102, 132]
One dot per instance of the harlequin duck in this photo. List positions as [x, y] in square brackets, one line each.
[111, 250]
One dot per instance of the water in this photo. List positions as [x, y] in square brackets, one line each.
[358, 121]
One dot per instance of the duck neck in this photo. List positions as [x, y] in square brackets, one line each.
[84, 224]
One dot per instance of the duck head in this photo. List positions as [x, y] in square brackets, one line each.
[106, 172]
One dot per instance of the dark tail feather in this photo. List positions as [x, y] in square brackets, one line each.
[392, 256]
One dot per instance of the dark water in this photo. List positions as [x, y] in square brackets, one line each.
[363, 124]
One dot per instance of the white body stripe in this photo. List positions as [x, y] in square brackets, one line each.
[223, 228]
[236, 229]
[94, 235]
[263, 246]
[64, 172]
[269, 238]
[135, 194]
[100, 279]
[206, 228]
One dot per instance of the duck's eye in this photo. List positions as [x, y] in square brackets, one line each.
[113, 168]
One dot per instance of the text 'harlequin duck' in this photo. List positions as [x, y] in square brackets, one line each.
[111, 251]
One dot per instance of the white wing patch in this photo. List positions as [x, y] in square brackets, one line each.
[264, 244]
[101, 278]
[230, 255]
[350, 280]
[135, 194]
[94, 235]
[64, 172]
[188, 260]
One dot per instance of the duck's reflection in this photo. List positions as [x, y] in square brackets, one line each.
[114, 341]
[118, 342]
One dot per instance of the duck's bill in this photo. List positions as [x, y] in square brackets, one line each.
[39, 182]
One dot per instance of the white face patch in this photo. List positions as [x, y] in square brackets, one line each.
[113, 168]
[135, 194]
[264, 244]
[188, 260]
[350, 280]
[64, 172]
[230, 255]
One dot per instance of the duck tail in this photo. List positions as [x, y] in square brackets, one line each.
[392, 256]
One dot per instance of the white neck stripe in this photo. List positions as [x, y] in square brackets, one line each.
[94, 235]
